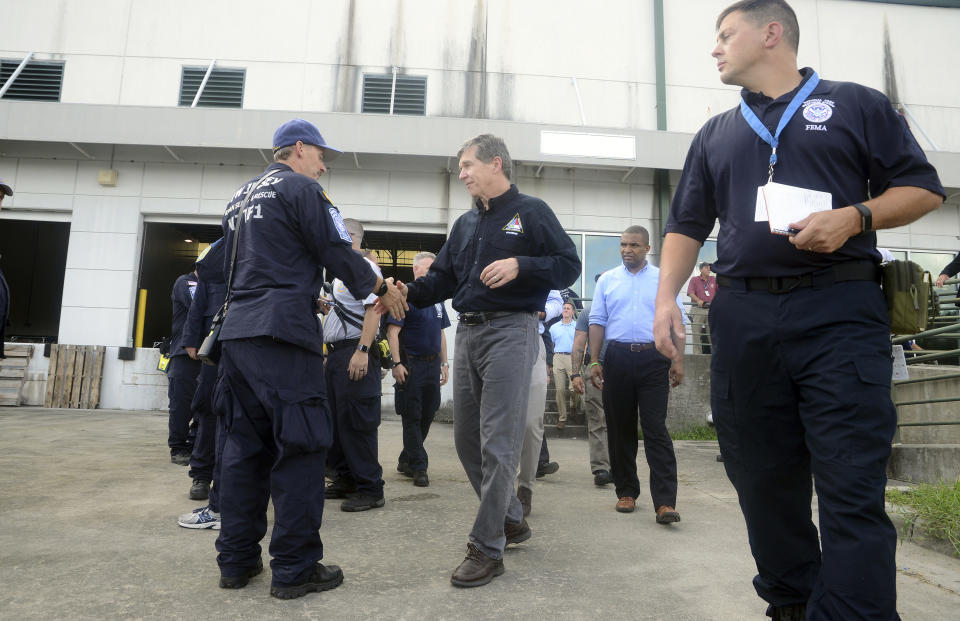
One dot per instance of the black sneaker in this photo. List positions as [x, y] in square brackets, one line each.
[420, 478]
[362, 502]
[180, 458]
[405, 469]
[341, 488]
[602, 477]
[547, 467]
[200, 490]
[238, 582]
[322, 579]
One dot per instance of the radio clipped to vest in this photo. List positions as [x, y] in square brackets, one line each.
[909, 292]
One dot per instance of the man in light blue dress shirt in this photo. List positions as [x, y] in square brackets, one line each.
[635, 377]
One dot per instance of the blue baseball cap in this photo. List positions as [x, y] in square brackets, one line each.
[307, 133]
[6, 189]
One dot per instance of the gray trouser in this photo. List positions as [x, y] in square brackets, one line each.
[596, 424]
[533, 434]
[491, 376]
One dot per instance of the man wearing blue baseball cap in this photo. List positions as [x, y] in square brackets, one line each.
[5, 190]
[306, 132]
[280, 231]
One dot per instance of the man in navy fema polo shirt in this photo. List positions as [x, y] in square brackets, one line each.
[801, 368]
[420, 368]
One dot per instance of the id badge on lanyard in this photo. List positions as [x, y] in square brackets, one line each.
[779, 204]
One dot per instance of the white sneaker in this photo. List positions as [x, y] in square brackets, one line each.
[201, 517]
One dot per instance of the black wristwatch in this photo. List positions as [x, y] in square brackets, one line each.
[574, 376]
[396, 364]
[866, 218]
[382, 290]
[363, 348]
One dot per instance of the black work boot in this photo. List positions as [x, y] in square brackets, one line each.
[200, 490]
[341, 488]
[322, 579]
[238, 582]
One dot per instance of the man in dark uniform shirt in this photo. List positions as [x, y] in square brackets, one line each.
[5, 190]
[801, 367]
[948, 272]
[207, 300]
[182, 373]
[420, 369]
[499, 262]
[271, 387]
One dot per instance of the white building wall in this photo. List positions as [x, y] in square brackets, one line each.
[499, 59]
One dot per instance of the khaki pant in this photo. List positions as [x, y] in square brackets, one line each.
[699, 319]
[596, 424]
[562, 370]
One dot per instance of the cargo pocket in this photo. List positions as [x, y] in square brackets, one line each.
[220, 402]
[302, 425]
[363, 412]
[724, 414]
[874, 371]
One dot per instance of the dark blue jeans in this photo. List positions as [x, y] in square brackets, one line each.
[182, 377]
[420, 398]
[800, 386]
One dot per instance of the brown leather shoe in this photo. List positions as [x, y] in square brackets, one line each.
[667, 515]
[525, 496]
[626, 505]
[516, 532]
[477, 569]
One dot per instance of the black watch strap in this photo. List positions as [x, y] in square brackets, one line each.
[866, 217]
[382, 290]
[363, 348]
[575, 375]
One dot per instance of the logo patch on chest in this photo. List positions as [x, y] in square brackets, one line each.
[818, 111]
[515, 225]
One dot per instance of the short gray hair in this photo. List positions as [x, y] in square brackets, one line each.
[420, 256]
[282, 154]
[488, 147]
[353, 227]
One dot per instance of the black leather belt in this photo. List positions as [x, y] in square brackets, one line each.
[631, 346]
[423, 358]
[478, 319]
[345, 343]
[850, 270]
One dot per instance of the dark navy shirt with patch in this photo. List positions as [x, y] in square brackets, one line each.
[856, 148]
[208, 297]
[289, 233]
[515, 225]
[182, 297]
[420, 329]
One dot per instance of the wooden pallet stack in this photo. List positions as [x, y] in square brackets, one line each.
[73, 380]
[13, 371]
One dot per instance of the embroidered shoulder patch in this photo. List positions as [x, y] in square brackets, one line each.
[515, 225]
[338, 222]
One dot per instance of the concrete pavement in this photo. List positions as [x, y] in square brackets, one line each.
[89, 500]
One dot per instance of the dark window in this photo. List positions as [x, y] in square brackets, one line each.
[410, 96]
[39, 81]
[224, 89]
